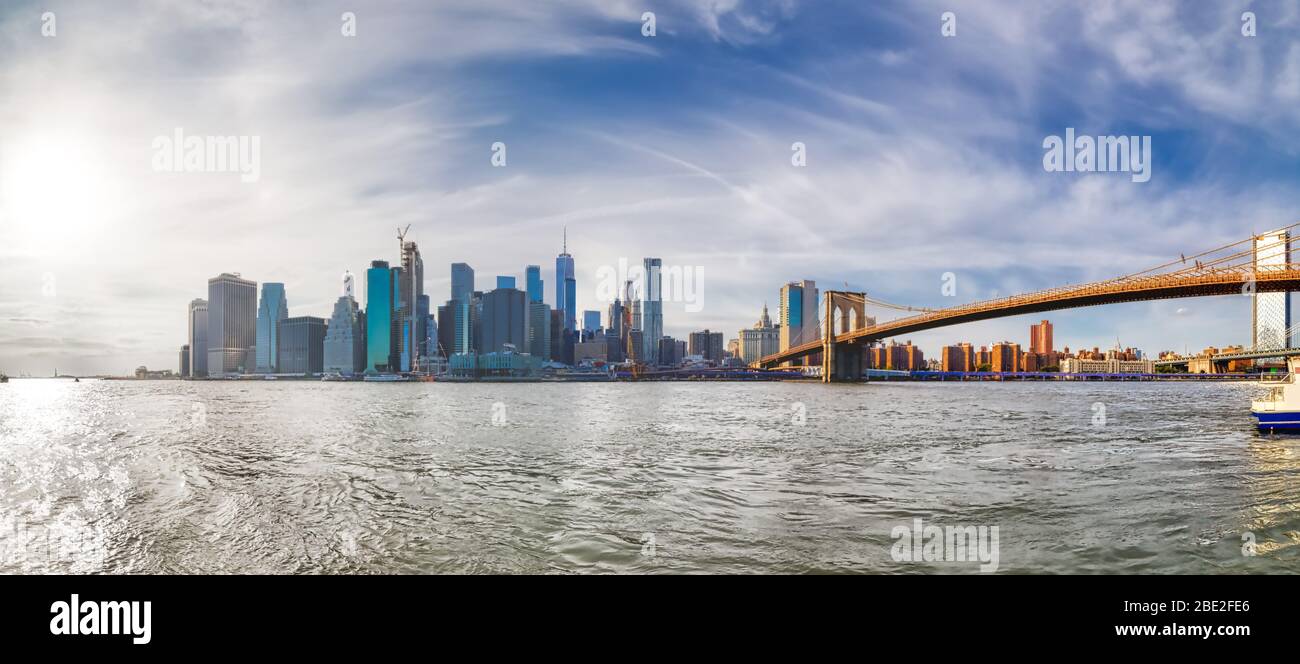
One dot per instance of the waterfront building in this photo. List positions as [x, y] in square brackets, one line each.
[539, 329]
[566, 286]
[345, 337]
[760, 340]
[668, 356]
[652, 308]
[198, 337]
[1030, 362]
[232, 324]
[302, 345]
[272, 309]
[505, 320]
[1074, 365]
[557, 335]
[958, 358]
[798, 314]
[533, 281]
[379, 318]
[1040, 338]
[185, 361]
[707, 345]
[596, 350]
[503, 364]
[1005, 357]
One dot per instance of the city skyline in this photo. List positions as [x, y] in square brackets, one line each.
[666, 159]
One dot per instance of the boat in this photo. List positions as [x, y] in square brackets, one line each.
[385, 378]
[1280, 410]
[333, 377]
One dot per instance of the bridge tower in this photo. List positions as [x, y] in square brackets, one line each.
[843, 361]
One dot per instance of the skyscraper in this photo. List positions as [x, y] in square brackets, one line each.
[232, 324]
[505, 281]
[798, 314]
[185, 361]
[198, 337]
[273, 309]
[505, 320]
[379, 317]
[761, 340]
[566, 286]
[1271, 312]
[345, 338]
[533, 277]
[590, 321]
[462, 281]
[652, 309]
[411, 289]
[539, 329]
[1040, 338]
[302, 345]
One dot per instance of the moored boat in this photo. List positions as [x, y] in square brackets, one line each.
[1280, 410]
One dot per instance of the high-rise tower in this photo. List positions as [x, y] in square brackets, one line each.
[566, 285]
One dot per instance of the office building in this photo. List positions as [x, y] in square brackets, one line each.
[270, 311]
[345, 337]
[410, 282]
[590, 322]
[232, 324]
[539, 329]
[652, 308]
[708, 345]
[504, 320]
[185, 361]
[566, 288]
[198, 337]
[302, 345]
[798, 315]
[505, 282]
[462, 282]
[379, 318]
[760, 340]
[533, 279]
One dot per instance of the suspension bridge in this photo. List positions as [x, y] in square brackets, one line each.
[1257, 264]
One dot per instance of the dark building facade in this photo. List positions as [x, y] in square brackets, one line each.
[302, 345]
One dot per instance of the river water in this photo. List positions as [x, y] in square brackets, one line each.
[299, 477]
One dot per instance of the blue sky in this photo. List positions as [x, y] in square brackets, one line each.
[924, 154]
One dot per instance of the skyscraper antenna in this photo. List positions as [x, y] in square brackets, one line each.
[566, 240]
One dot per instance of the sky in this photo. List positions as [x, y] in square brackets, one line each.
[923, 155]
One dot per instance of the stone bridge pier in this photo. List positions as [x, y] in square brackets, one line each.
[843, 361]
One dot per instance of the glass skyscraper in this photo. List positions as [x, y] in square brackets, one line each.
[566, 286]
[462, 282]
[379, 317]
[533, 278]
[590, 321]
[504, 320]
[302, 345]
[273, 309]
[198, 321]
[652, 310]
[232, 324]
[505, 282]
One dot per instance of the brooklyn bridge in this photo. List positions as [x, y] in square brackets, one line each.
[1257, 264]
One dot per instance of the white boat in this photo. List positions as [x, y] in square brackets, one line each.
[385, 378]
[1280, 410]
